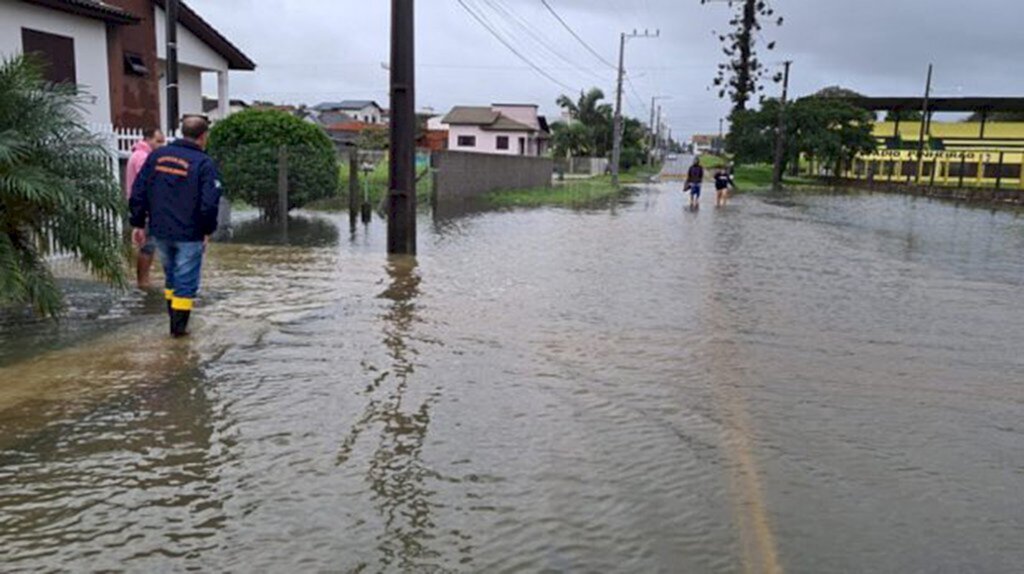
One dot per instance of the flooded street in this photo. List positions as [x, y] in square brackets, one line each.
[814, 383]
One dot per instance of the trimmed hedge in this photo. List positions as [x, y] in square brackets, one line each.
[246, 146]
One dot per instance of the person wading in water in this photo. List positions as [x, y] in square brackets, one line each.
[694, 179]
[177, 198]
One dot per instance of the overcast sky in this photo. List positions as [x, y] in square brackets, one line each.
[308, 51]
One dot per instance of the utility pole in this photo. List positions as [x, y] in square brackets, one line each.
[171, 73]
[402, 189]
[657, 137]
[780, 134]
[924, 120]
[617, 125]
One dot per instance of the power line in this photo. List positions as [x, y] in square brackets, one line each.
[511, 16]
[577, 36]
[512, 48]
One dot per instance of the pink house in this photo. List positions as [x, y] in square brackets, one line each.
[505, 129]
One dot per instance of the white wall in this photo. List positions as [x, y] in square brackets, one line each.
[487, 141]
[191, 50]
[90, 48]
[190, 92]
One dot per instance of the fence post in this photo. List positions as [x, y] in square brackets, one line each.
[935, 166]
[963, 168]
[282, 185]
[999, 172]
[353, 185]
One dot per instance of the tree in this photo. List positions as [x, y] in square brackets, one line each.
[998, 117]
[246, 146]
[903, 115]
[741, 76]
[56, 189]
[571, 139]
[826, 129]
[596, 117]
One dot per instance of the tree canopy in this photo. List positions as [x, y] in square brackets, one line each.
[246, 146]
[829, 131]
[590, 130]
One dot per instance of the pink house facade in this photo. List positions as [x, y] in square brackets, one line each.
[503, 129]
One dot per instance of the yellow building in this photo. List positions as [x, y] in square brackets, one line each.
[964, 154]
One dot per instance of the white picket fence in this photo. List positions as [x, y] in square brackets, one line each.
[117, 143]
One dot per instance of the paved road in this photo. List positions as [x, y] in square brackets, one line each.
[677, 169]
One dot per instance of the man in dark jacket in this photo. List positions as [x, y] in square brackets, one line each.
[694, 179]
[176, 197]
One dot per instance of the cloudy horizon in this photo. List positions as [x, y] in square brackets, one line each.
[319, 50]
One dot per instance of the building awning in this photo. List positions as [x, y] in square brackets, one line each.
[958, 104]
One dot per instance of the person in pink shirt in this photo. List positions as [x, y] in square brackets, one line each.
[152, 140]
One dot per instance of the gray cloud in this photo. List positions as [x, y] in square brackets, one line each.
[314, 50]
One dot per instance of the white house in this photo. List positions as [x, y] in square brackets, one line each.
[365, 111]
[508, 129]
[115, 50]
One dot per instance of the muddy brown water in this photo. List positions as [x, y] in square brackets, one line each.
[815, 383]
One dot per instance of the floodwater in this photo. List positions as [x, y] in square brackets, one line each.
[811, 383]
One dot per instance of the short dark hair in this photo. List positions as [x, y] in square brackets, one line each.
[193, 127]
[149, 133]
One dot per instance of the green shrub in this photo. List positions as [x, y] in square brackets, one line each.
[246, 146]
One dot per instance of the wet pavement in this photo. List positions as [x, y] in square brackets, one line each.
[809, 383]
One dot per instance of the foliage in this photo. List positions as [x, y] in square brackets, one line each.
[741, 76]
[373, 138]
[837, 92]
[904, 116]
[828, 130]
[590, 131]
[246, 146]
[55, 189]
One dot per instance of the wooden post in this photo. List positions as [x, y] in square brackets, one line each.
[402, 180]
[353, 185]
[935, 166]
[282, 185]
[999, 172]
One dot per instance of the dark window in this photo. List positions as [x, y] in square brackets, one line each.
[909, 169]
[1008, 171]
[134, 64]
[467, 141]
[56, 52]
[522, 146]
[502, 142]
[970, 169]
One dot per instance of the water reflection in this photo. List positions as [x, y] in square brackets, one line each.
[130, 466]
[399, 412]
[300, 231]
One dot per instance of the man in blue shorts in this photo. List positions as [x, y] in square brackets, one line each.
[694, 179]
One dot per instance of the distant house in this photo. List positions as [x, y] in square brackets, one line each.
[509, 129]
[115, 48]
[366, 111]
[346, 134]
[211, 107]
[706, 144]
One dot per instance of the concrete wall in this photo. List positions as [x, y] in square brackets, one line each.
[583, 165]
[461, 176]
[90, 38]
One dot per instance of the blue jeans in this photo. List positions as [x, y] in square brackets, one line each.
[183, 262]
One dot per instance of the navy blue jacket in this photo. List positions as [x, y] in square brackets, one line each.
[177, 193]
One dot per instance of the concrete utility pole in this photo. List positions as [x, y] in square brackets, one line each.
[617, 127]
[171, 73]
[924, 122]
[657, 135]
[402, 189]
[780, 134]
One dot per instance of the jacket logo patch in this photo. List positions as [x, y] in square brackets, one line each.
[171, 170]
[171, 160]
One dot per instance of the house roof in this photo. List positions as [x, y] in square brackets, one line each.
[194, 23]
[507, 124]
[345, 105]
[353, 127]
[90, 9]
[484, 117]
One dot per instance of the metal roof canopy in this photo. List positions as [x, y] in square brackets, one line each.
[968, 104]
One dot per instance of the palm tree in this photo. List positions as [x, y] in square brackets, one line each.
[597, 118]
[56, 190]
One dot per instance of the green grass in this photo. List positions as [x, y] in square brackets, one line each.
[713, 161]
[569, 194]
[379, 180]
[759, 177]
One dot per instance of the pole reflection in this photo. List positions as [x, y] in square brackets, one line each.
[399, 412]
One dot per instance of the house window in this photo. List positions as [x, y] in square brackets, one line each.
[135, 65]
[56, 52]
[467, 141]
[502, 142]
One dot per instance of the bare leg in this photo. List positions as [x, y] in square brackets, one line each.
[142, 267]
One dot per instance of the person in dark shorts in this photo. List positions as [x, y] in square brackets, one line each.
[694, 179]
[723, 181]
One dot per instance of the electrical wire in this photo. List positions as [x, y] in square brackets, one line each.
[487, 26]
[577, 36]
